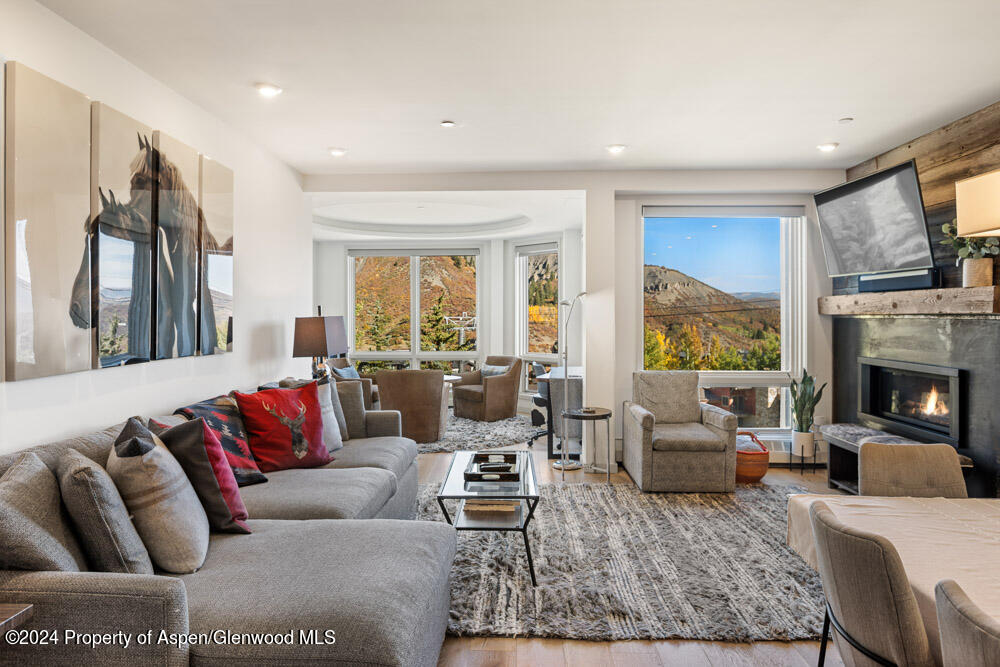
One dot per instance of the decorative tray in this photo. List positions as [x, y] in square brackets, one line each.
[495, 467]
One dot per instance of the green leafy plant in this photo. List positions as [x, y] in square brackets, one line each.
[804, 400]
[969, 247]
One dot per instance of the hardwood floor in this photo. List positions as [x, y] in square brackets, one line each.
[510, 652]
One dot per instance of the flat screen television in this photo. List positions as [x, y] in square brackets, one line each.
[875, 224]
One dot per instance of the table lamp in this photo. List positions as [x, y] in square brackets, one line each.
[320, 338]
[977, 203]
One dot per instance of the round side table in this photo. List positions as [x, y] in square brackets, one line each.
[593, 415]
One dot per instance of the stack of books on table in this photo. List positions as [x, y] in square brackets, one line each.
[491, 505]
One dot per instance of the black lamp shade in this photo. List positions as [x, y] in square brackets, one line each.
[319, 337]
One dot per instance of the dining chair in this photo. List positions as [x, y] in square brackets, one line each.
[969, 636]
[869, 601]
[920, 471]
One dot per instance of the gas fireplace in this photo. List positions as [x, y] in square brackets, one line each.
[917, 400]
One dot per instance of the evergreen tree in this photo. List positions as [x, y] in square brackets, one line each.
[435, 332]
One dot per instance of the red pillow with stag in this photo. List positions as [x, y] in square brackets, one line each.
[285, 427]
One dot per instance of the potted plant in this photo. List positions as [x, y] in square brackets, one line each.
[975, 254]
[804, 400]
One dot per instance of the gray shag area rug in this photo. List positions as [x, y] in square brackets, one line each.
[613, 563]
[468, 434]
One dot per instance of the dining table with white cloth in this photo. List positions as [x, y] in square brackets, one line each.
[936, 538]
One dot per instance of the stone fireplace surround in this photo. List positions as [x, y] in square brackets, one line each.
[971, 344]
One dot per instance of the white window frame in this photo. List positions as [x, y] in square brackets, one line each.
[414, 355]
[521, 253]
[793, 237]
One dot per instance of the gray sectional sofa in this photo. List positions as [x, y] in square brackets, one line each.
[333, 548]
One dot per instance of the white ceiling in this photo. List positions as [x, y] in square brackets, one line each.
[546, 84]
[445, 216]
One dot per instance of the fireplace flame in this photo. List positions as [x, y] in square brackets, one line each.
[933, 405]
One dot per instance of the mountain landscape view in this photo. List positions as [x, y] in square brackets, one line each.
[543, 303]
[692, 325]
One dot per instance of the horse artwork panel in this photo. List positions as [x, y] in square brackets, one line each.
[216, 197]
[121, 234]
[47, 184]
[179, 220]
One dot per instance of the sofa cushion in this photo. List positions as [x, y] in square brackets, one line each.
[320, 493]
[197, 449]
[100, 517]
[686, 438]
[165, 508]
[34, 531]
[393, 453]
[469, 392]
[672, 396]
[347, 372]
[380, 585]
[223, 417]
[352, 402]
[285, 427]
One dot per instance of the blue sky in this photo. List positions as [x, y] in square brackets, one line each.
[730, 254]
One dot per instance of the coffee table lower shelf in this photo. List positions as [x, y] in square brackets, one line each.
[516, 521]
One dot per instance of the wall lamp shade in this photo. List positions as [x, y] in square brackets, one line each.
[977, 201]
[319, 337]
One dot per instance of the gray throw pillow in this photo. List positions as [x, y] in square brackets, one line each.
[489, 371]
[165, 508]
[352, 400]
[100, 517]
[34, 533]
[334, 423]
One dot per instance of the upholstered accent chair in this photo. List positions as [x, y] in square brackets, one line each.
[869, 599]
[969, 636]
[672, 441]
[368, 388]
[920, 471]
[421, 397]
[488, 398]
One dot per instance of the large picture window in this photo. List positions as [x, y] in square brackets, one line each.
[415, 310]
[712, 294]
[718, 296]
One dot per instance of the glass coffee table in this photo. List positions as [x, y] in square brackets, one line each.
[524, 491]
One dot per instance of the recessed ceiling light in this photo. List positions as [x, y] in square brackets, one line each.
[448, 123]
[616, 149]
[338, 152]
[828, 147]
[845, 120]
[268, 89]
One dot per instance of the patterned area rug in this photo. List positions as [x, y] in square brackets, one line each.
[614, 563]
[469, 434]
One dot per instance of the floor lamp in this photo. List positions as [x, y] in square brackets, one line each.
[564, 463]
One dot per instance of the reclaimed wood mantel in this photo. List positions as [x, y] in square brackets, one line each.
[942, 302]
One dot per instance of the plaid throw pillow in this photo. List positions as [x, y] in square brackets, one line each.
[222, 416]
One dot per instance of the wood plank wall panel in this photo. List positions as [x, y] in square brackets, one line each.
[967, 147]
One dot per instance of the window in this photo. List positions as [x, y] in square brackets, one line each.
[381, 304]
[719, 297]
[414, 310]
[537, 304]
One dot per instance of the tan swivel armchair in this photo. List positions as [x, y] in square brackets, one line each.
[672, 441]
[421, 397]
[920, 471]
[488, 399]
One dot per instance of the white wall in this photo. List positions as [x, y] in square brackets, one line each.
[609, 352]
[273, 240]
